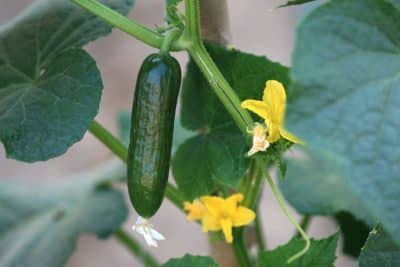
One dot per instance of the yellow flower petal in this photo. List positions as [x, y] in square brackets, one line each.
[210, 223]
[258, 107]
[226, 225]
[291, 137]
[243, 216]
[213, 204]
[273, 133]
[235, 198]
[229, 206]
[195, 210]
[275, 98]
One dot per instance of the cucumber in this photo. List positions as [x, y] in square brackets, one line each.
[153, 113]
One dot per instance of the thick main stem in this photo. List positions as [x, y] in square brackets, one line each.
[259, 232]
[135, 248]
[240, 248]
[210, 70]
[285, 210]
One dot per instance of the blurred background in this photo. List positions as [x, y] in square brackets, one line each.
[256, 27]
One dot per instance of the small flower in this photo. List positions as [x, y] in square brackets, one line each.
[145, 228]
[260, 142]
[217, 214]
[272, 110]
[196, 210]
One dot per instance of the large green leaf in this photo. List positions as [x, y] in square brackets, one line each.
[379, 250]
[345, 105]
[219, 146]
[396, 3]
[49, 88]
[321, 254]
[192, 261]
[40, 224]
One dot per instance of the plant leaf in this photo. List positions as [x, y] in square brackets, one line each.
[345, 101]
[219, 146]
[320, 254]
[49, 88]
[192, 261]
[40, 225]
[379, 250]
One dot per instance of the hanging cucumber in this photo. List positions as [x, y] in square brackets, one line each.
[153, 113]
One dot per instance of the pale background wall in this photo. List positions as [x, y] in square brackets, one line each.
[255, 28]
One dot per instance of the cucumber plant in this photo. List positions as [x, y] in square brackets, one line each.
[336, 107]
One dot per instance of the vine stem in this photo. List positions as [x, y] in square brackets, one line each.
[254, 189]
[119, 149]
[240, 248]
[126, 25]
[259, 232]
[305, 222]
[285, 210]
[210, 70]
[133, 246]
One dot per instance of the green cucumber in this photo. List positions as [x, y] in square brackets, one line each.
[153, 113]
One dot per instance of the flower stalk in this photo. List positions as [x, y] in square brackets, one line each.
[285, 210]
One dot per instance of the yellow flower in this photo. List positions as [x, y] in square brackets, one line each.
[260, 142]
[272, 110]
[217, 213]
[196, 210]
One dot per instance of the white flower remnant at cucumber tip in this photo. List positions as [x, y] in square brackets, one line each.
[145, 228]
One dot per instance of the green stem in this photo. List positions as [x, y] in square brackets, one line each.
[136, 249]
[174, 196]
[240, 248]
[119, 149]
[121, 22]
[285, 210]
[168, 40]
[305, 222]
[252, 195]
[254, 188]
[111, 142]
[259, 232]
[210, 70]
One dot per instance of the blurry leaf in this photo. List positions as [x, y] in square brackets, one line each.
[345, 101]
[321, 254]
[40, 224]
[314, 186]
[396, 3]
[191, 261]
[219, 146]
[354, 233]
[379, 251]
[295, 2]
[49, 93]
